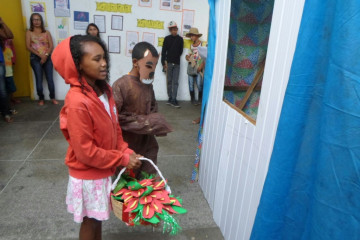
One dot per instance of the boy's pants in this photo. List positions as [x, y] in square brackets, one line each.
[172, 77]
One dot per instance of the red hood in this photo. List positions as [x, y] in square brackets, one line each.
[64, 64]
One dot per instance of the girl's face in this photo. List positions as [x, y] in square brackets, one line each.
[93, 31]
[36, 21]
[93, 63]
[194, 38]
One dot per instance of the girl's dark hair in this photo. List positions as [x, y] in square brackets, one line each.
[141, 47]
[41, 20]
[77, 51]
[93, 25]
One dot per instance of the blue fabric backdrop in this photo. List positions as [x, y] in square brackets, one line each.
[312, 190]
[209, 67]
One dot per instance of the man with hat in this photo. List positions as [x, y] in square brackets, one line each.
[170, 59]
[196, 62]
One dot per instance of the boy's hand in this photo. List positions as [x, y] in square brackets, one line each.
[134, 161]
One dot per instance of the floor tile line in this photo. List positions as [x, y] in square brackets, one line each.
[46, 132]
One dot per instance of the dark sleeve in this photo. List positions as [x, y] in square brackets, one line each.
[164, 52]
[181, 46]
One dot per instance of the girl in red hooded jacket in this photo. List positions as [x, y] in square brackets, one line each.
[89, 123]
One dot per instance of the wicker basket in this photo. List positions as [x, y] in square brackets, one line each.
[117, 208]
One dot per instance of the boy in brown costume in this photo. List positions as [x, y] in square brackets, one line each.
[137, 108]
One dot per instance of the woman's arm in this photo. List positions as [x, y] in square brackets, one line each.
[51, 44]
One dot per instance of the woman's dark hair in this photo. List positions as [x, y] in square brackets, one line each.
[93, 25]
[41, 20]
[77, 51]
[141, 47]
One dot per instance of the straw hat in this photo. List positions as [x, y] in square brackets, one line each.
[193, 31]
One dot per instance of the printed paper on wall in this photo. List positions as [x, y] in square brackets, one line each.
[99, 21]
[132, 38]
[187, 21]
[40, 8]
[149, 37]
[62, 28]
[62, 8]
[117, 22]
[81, 20]
[145, 3]
[114, 44]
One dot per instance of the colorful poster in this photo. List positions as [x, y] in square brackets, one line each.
[165, 5]
[187, 21]
[177, 5]
[40, 8]
[117, 22]
[81, 20]
[99, 21]
[132, 38]
[62, 8]
[62, 28]
[114, 44]
[145, 3]
[171, 5]
[149, 37]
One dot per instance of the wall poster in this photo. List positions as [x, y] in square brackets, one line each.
[114, 44]
[99, 21]
[62, 8]
[81, 20]
[149, 37]
[145, 3]
[171, 5]
[62, 28]
[132, 38]
[188, 17]
[40, 8]
[117, 22]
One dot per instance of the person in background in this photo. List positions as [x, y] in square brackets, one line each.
[89, 123]
[5, 33]
[39, 43]
[137, 108]
[93, 30]
[193, 57]
[170, 59]
[10, 58]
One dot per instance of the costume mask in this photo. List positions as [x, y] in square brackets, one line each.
[146, 67]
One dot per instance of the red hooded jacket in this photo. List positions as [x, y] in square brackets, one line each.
[96, 145]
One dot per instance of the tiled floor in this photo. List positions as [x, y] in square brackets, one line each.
[33, 178]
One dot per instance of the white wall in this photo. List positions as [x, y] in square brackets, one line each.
[236, 154]
[120, 64]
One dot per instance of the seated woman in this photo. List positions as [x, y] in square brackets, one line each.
[39, 43]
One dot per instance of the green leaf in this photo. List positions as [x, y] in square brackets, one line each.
[180, 210]
[148, 190]
[118, 198]
[153, 220]
[134, 185]
[122, 182]
[139, 208]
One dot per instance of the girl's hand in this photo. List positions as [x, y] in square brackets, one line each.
[199, 69]
[134, 161]
[187, 57]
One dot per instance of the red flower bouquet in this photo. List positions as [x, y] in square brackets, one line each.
[146, 201]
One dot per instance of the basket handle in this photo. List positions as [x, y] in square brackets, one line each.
[167, 187]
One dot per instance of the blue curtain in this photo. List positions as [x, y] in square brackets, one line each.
[312, 190]
[209, 67]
